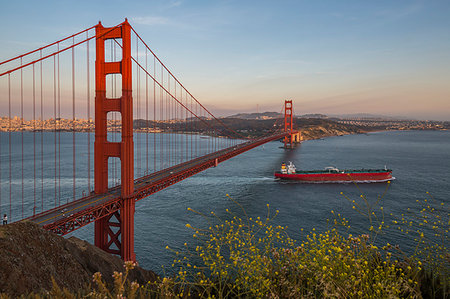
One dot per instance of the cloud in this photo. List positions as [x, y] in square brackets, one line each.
[174, 4]
[150, 20]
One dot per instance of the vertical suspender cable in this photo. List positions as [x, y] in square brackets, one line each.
[200, 133]
[176, 126]
[166, 97]
[208, 142]
[138, 170]
[73, 119]
[189, 119]
[185, 128]
[1, 207]
[196, 131]
[88, 118]
[10, 149]
[42, 138]
[34, 142]
[178, 117]
[59, 133]
[21, 125]
[146, 110]
[172, 123]
[154, 114]
[139, 135]
[169, 160]
[169, 119]
[179, 128]
[54, 123]
[202, 148]
[164, 123]
[212, 130]
[168, 122]
[161, 153]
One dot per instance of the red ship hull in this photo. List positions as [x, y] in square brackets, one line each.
[337, 177]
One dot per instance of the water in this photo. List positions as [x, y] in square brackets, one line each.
[420, 161]
[42, 170]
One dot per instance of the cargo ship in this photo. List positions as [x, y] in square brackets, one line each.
[334, 175]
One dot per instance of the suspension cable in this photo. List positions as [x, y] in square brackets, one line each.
[183, 85]
[49, 45]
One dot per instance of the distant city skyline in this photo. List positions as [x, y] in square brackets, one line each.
[330, 57]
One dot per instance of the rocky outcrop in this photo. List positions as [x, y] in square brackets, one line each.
[31, 256]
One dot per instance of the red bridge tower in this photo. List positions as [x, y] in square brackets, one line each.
[288, 142]
[117, 228]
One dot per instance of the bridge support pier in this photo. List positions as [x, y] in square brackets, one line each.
[115, 232]
[107, 233]
[116, 229]
[296, 137]
[127, 229]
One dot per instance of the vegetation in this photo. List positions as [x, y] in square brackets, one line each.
[246, 257]
[254, 128]
[254, 258]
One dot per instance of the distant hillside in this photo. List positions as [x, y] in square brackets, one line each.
[263, 115]
[254, 127]
[313, 115]
[368, 116]
[272, 115]
[312, 128]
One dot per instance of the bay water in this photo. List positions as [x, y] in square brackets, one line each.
[420, 161]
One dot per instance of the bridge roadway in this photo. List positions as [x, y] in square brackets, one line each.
[73, 215]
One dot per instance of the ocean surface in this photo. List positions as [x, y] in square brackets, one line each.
[420, 161]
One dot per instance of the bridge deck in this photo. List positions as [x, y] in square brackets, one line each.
[73, 215]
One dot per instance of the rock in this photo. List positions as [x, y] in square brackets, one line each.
[31, 256]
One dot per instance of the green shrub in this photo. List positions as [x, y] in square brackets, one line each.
[253, 257]
[246, 257]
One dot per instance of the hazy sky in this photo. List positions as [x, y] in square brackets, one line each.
[332, 57]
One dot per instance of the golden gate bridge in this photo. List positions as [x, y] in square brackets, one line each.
[71, 154]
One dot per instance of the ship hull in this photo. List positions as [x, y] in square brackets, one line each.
[337, 177]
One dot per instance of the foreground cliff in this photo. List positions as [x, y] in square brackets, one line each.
[31, 256]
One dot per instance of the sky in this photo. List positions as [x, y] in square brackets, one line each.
[331, 57]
